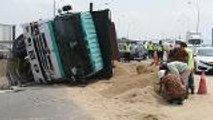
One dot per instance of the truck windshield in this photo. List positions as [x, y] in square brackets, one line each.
[205, 52]
[195, 41]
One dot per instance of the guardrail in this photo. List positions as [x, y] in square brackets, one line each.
[6, 41]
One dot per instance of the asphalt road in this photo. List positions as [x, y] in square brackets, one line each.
[39, 103]
[49, 103]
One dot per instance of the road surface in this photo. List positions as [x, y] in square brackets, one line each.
[39, 103]
[50, 103]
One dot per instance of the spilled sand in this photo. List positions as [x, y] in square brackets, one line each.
[130, 95]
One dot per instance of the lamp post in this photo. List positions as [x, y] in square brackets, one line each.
[198, 17]
[198, 14]
[54, 7]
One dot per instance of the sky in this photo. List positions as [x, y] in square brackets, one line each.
[135, 19]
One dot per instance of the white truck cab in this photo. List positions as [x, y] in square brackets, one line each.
[194, 39]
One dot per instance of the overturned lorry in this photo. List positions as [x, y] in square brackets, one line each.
[71, 47]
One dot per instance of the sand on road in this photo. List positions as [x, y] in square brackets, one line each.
[129, 96]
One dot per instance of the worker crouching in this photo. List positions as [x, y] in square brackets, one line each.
[174, 90]
[175, 81]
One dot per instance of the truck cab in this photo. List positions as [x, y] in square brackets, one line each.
[194, 39]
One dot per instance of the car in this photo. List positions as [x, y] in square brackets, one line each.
[204, 59]
[138, 52]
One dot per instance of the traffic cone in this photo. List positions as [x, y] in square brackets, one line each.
[202, 85]
[156, 62]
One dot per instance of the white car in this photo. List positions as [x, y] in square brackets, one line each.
[204, 59]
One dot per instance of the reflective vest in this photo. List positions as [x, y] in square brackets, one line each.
[190, 58]
[127, 47]
[150, 46]
[160, 48]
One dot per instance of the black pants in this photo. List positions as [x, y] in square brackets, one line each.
[150, 53]
[160, 55]
[127, 57]
[191, 83]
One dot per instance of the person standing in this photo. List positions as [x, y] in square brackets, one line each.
[127, 51]
[155, 50]
[150, 48]
[160, 51]
[166, 48]
[190, 63]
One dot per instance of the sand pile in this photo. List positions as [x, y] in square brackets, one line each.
[124, 96]
[129, 79]
[146, 68]
[120, 69]
[130, 96]
[145, 95]
[123, 69]
[127, 83]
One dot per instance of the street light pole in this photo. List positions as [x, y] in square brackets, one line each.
[198, 17]
[54, 7]
[198, 14]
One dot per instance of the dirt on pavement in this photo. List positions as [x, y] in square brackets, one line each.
[124, 97]
[131, 96]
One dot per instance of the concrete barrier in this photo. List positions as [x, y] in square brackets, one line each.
[4, 83]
